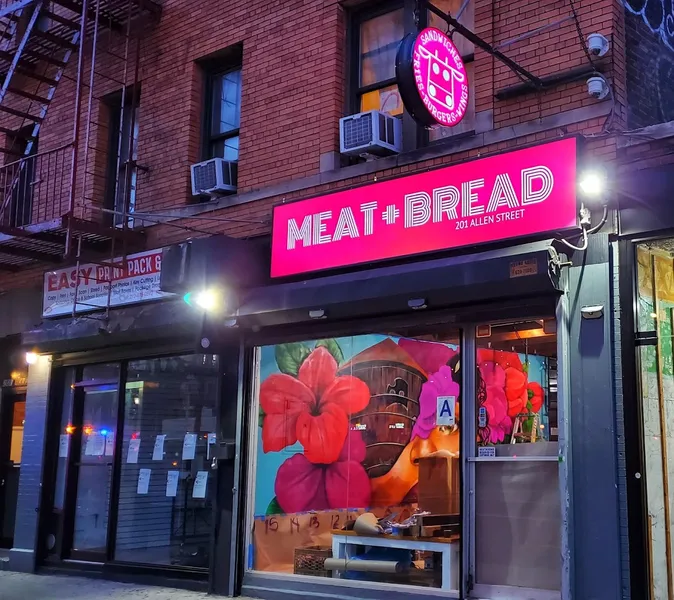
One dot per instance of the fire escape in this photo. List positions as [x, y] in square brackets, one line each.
[52, 187]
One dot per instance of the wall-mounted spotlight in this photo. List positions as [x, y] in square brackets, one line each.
[592, 184]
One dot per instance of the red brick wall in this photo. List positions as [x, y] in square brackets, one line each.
[294, 56]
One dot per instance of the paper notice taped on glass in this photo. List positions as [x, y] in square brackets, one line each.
[132, 454]
[143, 481]
[172, 483]
[199, 489]
[64, 445]
[95, 445]
[189, 446]
[158, 452]
[110, 444]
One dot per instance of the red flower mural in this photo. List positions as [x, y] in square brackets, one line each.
[502, 358]
[516, 391]
[536, 396]
[312, 408]
[302, 485]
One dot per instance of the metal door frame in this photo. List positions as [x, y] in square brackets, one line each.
[468, 450]
[73, 469]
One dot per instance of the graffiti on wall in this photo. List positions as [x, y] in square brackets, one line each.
[658, 15]
[650, 49]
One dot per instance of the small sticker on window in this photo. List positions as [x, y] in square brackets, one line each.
[486, 452]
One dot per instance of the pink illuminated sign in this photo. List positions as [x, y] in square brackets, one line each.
[440, 77]
[521, 193]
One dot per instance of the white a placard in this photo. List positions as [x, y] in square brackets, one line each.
[199, 489]
[445, 410]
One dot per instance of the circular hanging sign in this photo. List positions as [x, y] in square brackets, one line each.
[432, 78]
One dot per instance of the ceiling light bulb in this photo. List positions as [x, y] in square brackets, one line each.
[31, 358]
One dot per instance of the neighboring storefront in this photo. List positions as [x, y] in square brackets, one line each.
[451, 385]
[12, 420]
[126, 430]
[647, 276]
[20, 309]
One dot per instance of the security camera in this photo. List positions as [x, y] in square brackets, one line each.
[597, 44]
[597, 87]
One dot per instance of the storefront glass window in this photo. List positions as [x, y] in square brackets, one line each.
[167, 484]
[655, 318]
[356, 437]
[517, 498]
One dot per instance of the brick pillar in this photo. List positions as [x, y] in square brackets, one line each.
[22, 556]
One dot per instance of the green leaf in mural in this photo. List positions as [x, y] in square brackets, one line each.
[530, 395]
[525, 367]
[333, 348]
[274, 508]
[260, 418]
[289, 357]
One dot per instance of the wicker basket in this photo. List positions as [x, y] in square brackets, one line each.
[311, 561]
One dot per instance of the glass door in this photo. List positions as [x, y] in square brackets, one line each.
[655, 363]
[514, 462]
[92, 459]
[12, 416]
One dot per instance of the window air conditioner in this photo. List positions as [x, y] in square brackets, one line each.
[214, 176]
[370, 133]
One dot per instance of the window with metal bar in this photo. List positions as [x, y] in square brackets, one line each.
[224, 115]
[122, 167]
[376, 34]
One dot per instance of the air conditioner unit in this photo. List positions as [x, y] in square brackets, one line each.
[370, 133]
[214, 176]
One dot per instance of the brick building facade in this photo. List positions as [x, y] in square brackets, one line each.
[264, 85]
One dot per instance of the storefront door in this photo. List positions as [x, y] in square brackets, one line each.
[12, 414]
[655, 373]
[133, 481]
[514, 500]
[91, 460]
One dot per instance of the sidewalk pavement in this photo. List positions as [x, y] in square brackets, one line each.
[19, 586]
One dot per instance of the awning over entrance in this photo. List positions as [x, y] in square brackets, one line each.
[169, 321]
[519, 271]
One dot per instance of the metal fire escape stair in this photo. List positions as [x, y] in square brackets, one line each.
[37, 40]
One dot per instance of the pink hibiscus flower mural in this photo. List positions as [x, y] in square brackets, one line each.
[302, 485]
[496, 405]
[312, 408]
[430, 356]
[438, 384]
[434, 359]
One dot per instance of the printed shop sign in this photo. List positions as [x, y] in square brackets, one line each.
[521, 193]
[432, 78]
[139, 282]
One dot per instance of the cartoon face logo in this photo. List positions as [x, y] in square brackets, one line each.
[440, 77]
